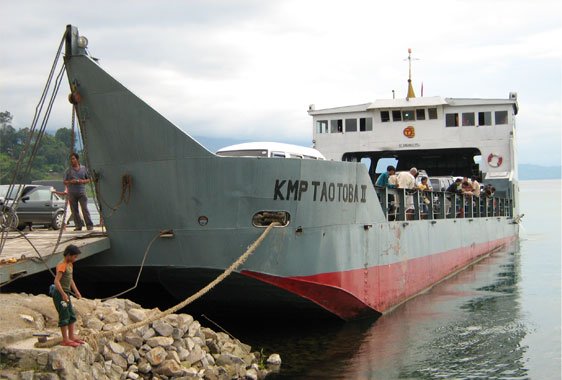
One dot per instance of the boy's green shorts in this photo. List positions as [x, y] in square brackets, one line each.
[65, 309]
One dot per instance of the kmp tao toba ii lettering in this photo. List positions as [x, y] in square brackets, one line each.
[319, 191]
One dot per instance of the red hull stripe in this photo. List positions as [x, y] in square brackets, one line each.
[352, 293]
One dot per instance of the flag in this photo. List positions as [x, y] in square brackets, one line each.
[422, 90]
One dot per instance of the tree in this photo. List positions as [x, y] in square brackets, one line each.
[50, 160]
[64, 135]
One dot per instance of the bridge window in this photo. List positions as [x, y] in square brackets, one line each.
[501, 117]
[351, 125]
[396, 116]
[420, 114]
[484, 118]
[408, 115]
[336, 126]
[322, 126]
[366, 124]
[452, 120]
[385, 116]
[432, 112]
[467, 119]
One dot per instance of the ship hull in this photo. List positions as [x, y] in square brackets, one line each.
[337, 253]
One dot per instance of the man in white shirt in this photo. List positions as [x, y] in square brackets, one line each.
[406, 180]
[475, 187]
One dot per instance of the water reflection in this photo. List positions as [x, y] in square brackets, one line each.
[469, 326]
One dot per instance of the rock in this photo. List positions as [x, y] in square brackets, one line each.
[195, 355]
[209, 334]
[156, 356]
[194, 329]
[94, 324]
[9, 374]
[119, 360]
[173, 355]
[249, 359]
[130, 358]
[136, 315]
[149, 334]
[162, 328]
[26, 375]
[117, 316]
[115, 347]
[163, 341]
[144, 366]
[117, 303]
[177, 333]
[144, 349]
[228, 358]
[134, 340]
[211, 374]
[183, 354]
[112, 326]
[170, 368]
[132, 375]
[185, 320]
[274, 359]
[252, 374]
[213, 348]
[46, 376]
[189, 344]
[210, 359]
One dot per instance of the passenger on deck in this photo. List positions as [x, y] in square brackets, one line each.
[454, 188]
[423, 187]
[388, 180]
[407, 180]
[383, 178]
[475, 187]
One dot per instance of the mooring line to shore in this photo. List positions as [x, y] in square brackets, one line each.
[91, 339]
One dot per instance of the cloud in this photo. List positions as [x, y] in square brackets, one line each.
[249, 69]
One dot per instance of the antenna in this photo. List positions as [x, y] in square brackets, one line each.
[411, 93]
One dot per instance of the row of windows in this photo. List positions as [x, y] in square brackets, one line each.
[336, 126]
[468, 118]
[407, 115]
[451, 120]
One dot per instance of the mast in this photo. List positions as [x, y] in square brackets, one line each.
[411, 93]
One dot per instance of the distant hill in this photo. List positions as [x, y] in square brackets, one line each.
[529, 171]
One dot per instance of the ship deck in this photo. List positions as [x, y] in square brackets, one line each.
[19, 256]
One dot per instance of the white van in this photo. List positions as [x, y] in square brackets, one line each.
[270, 149]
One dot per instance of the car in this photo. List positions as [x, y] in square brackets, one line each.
[36, 204]
[441, 183]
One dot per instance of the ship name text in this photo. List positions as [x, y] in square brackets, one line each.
[319, 191]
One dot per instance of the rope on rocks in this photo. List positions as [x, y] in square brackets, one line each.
[92, 339]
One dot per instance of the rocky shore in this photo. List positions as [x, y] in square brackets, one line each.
[172, 348]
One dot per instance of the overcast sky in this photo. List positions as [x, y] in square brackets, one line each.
[248, 70]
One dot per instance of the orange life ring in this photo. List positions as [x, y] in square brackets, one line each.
[409, 132]
[495, 160]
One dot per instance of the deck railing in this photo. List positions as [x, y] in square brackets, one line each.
[405, 204]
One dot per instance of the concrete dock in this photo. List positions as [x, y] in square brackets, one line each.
[19, 258]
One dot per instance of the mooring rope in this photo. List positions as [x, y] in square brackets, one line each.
[91, 339]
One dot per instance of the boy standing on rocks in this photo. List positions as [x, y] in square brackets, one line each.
[61, 296]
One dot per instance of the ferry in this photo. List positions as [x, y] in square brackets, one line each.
[338, 250]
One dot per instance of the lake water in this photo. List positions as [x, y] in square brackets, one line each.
[499, 319]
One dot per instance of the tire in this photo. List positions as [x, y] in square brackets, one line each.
[58, 220]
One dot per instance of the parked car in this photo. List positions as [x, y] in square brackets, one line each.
[441, 183]
[37, 205]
